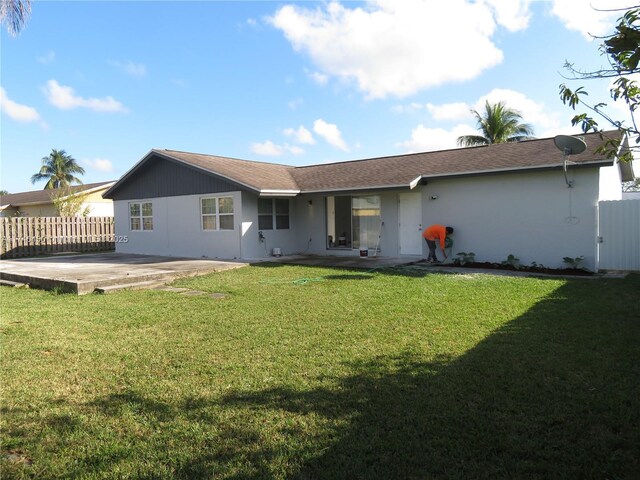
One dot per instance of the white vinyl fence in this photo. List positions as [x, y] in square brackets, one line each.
[619, 235]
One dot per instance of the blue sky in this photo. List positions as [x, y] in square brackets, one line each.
[288, 82]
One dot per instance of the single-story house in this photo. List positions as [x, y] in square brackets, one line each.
[39, 203]
[512, 198]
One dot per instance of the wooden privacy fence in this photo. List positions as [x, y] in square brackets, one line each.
[30, 236]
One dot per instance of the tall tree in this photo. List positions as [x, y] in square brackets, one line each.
[58, 169]
[497, 124]
[14, 14]
[622, 48]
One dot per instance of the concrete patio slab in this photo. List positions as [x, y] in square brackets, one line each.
[82, 274]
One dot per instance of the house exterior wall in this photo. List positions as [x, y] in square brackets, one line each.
[533, 216]
[610, 187]
[289, 241]
[42, 210]
[99, 209]
[177, 229]
[8, 212]
[96, 205]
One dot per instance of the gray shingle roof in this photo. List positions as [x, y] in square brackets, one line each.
[400, 170]
[257, 175]
[384, 172]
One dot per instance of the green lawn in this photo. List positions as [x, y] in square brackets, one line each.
[372, 375]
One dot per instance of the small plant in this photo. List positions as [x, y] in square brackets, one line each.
[464, 258]
[512, 262]
[573, 263]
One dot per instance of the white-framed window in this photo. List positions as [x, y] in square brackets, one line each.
[141, 216]
[216, 213]
[273, 212]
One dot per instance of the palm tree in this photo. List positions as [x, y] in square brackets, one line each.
[14, 13]
[58, 168]
[499, 124]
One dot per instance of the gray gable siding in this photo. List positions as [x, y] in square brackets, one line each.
[160, 177]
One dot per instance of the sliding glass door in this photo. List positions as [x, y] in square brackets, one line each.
[353, 222]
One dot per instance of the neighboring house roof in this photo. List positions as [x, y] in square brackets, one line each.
[400, 171]
[37, 197]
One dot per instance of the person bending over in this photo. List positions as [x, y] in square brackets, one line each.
[433, 234]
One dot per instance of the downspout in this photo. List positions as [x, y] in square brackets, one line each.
[598, 238]
[240, 228]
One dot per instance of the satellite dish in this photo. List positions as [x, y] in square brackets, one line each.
[569, 145]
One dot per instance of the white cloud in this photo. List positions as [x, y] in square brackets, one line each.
[300, 135]
[47, 58]
[514, 15]
[17, 111]
[589, 17]
[532, 112]
[330, 133]
[408, 108]
[65, 98]
[545, 122]
[99, 164]
[270, 149]
[450, 111]
[293, 149]
[130, 68]
[390, 47]
[425, 139]
[319, 78]
[267, 148]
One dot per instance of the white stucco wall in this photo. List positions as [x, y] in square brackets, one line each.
[610, 187]
[177, 229]
[288, 240]
[534, 216]
[99, 209]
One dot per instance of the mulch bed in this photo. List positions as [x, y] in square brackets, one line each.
[525, 268]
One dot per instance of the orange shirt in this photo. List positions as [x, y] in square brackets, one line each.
[435, 232]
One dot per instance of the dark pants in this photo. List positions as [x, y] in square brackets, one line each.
[432, 250]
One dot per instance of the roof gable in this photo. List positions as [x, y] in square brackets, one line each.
[162, 176]
[191, 168]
